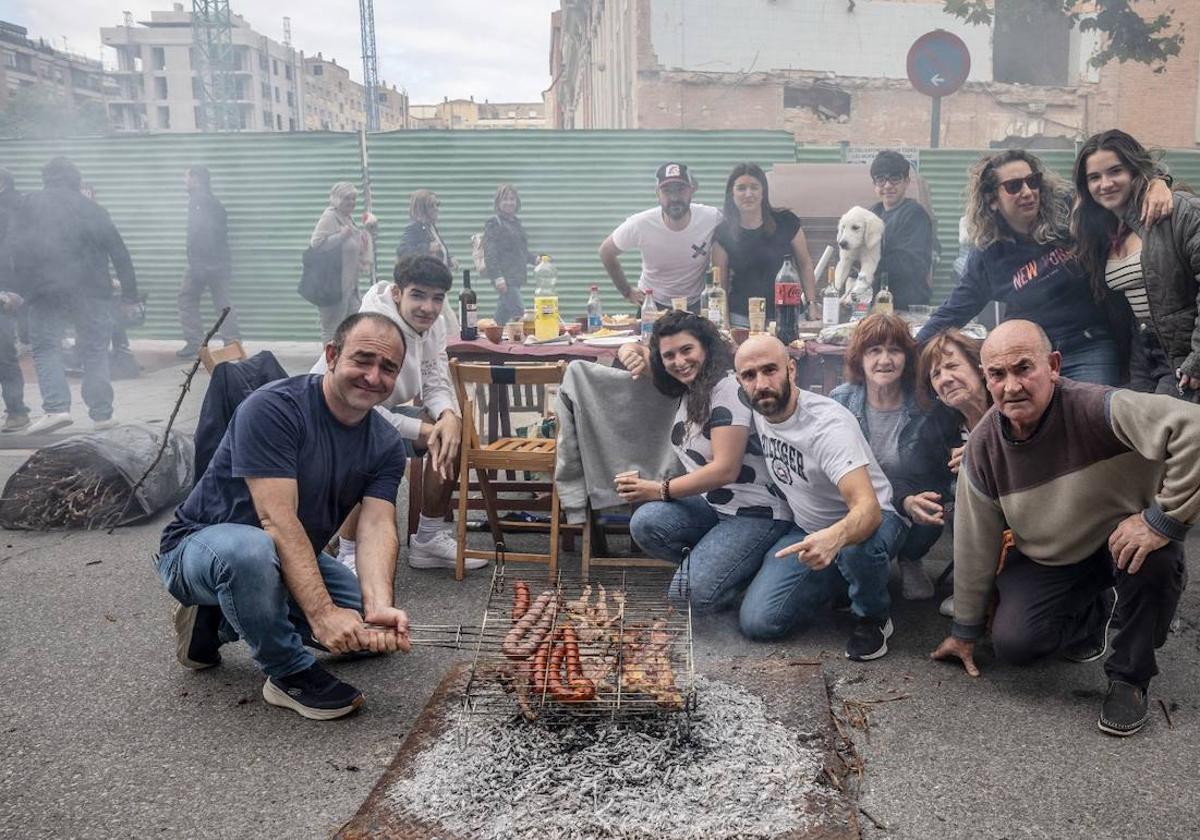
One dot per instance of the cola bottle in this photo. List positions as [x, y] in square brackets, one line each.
[789, 298]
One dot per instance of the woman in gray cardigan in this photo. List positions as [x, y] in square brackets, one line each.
[337, 229]
[1148, 271]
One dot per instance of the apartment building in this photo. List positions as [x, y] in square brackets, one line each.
[335, 102]
[25, 63]
[155, 86]
[469, 114]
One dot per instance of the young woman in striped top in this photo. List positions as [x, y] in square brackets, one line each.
[1152, 270]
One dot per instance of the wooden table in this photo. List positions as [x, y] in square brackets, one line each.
[482, 350]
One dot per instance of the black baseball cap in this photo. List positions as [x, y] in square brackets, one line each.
[673, 172]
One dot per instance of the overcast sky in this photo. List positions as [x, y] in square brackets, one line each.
[489, 49]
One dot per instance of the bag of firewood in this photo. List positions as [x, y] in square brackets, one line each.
[87, 481]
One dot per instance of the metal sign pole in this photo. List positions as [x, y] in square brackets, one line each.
[935, 122]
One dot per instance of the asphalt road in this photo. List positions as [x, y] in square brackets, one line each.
[103, 734]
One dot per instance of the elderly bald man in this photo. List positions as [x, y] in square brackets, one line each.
[1099, 486]
[846, 530]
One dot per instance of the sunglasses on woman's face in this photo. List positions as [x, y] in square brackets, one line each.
[1013, 185]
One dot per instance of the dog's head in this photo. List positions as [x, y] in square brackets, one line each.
[859, 230]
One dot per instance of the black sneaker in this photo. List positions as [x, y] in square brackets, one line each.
[313, 693]
[1092, 646]
[196, 642]
[869, 639]
[1124, 709]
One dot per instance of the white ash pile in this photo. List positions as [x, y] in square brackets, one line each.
[737, 774]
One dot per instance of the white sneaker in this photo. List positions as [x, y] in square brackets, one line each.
[50, 423]
[439, 552]
[947, 607]
[101, 425]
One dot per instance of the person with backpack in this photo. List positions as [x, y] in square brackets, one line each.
[506, 254]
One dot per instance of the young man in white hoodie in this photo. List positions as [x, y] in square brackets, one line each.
[414, 301]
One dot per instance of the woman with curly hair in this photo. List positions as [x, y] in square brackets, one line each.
[723, 513]
[909, 441]
[1020, 215]
[1149, 273]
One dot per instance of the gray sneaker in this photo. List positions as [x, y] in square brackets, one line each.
[15, 423]
[915, 583]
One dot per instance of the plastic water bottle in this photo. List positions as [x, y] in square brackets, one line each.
[649, 317]
[545, 300]
[595, 310]
[860, 304]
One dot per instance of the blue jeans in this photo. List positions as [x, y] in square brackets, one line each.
[92, 319]
[724, 551]
[12, 381]
[237, 568]
[786, 594]
[1088, 359]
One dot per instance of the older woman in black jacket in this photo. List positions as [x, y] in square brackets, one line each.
[421, 237]
[506, 254]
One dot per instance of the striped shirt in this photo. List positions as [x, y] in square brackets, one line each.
[1125, 275]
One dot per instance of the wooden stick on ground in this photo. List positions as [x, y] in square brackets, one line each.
[183, 391]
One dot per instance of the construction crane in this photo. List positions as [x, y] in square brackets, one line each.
[212, 40]
[366, 18]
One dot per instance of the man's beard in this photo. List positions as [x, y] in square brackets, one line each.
[678, 209]
[777, 402]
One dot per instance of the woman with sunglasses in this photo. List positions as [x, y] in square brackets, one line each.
[724, 513]
[1025, 258]
[1149, 273]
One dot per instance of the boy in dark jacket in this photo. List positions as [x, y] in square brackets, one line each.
[907, 235]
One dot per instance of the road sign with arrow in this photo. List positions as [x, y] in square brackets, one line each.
[938, 64]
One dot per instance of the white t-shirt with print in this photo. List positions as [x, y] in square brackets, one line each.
[673, 262]
[810, 452]
[749, 495]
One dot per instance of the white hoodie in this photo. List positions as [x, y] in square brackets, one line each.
[426, 370]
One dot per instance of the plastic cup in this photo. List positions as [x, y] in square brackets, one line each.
[516, 331]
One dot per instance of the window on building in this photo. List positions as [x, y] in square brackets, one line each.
[287, 72]
[164, 116]
[318, 70]
[291, 124]
[274, 67]
[262, 61]
[266, 90]
[160, 87]
[10, 59]
[158, 58]
[197, 88]
[276, 93]
[278, 123]
[266, 120]
[291, 100]
[191, 58]
[1031, 43]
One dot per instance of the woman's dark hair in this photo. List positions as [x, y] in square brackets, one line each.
[1092, 226]
[989, 226]
[718, 361]
[881, 329]
[731, 212]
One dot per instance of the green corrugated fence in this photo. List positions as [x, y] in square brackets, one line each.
[576, 186]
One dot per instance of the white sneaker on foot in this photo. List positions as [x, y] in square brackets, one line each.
[101, 425]
[50, 422]
[439, 552]
[947, 607]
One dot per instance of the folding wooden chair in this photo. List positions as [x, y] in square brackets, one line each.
[515, 454]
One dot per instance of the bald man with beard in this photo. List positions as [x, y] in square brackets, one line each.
[1099, 487]
[846, 530]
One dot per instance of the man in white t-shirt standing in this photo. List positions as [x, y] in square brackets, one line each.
[675, 239]
[846, 530]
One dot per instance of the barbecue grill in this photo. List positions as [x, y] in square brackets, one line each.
[613, 646]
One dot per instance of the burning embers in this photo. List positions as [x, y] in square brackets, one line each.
[735, 772]
[585, 651]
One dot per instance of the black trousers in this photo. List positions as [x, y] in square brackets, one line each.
[1043, 608]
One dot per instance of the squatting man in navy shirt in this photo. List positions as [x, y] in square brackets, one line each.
[243, 555]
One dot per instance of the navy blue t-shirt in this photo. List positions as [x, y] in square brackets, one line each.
[285, 430]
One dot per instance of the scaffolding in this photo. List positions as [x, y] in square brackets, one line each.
[216, 64]
[366, 16]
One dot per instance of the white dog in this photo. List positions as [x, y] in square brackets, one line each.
[859, 239]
